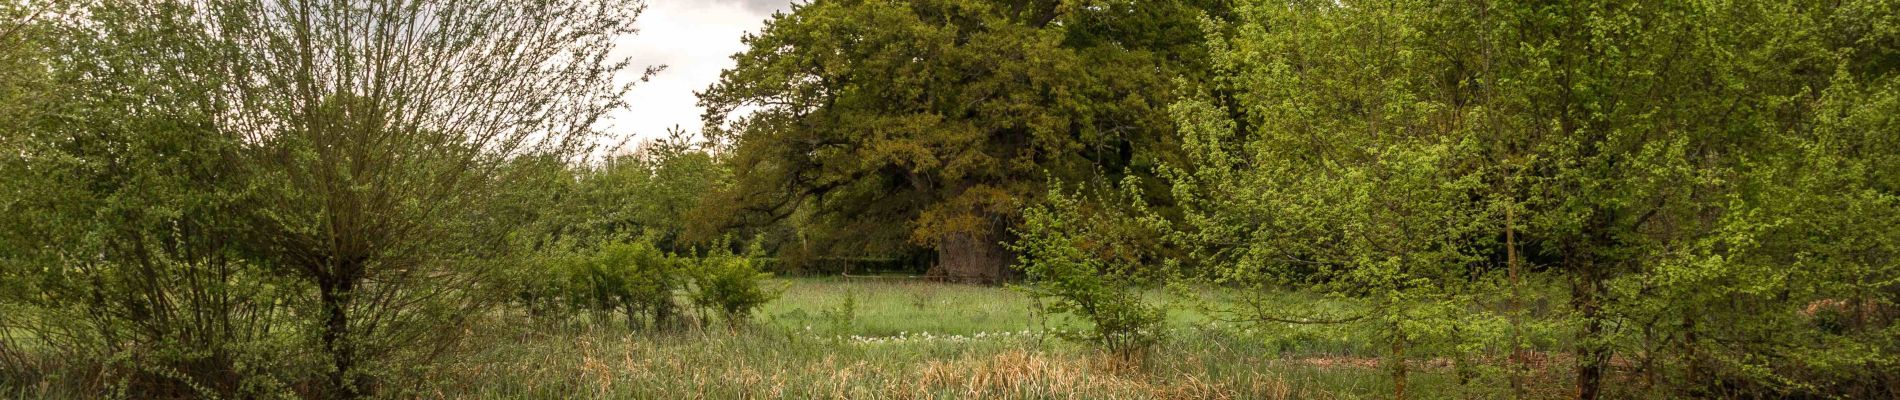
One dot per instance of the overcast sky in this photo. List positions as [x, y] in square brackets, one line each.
[695, 39]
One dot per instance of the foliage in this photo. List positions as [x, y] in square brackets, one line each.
[633, 277]
[870, 124]
[655, 190]
[119, 252]
[1404, 154]
[1072, 258]
[1343, 172]
[643, 283]
[731, 284]
[324, 199]
[244, 180]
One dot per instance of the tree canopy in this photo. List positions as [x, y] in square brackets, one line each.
[944, 115]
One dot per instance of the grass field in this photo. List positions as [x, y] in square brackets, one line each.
[829, 338]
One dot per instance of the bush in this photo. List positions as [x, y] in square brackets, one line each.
[632, 277]
[732, 285]
[1068, 261]
[642, 282]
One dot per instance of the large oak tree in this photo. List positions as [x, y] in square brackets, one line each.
[934, 121]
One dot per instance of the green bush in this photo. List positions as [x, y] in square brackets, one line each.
[632, 277]
[1069, 260]
[731, 285]
[645, 284]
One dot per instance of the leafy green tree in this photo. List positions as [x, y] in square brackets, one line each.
[1661, 158]
[118, 229]
[852, 116]
[658, 189]
[1345, 168]
[339, 159]
[1646, 160]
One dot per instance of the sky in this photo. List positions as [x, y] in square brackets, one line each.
[694, 39]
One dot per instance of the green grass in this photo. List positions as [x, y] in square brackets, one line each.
[910, 339]
[888, 307]
[907, 339]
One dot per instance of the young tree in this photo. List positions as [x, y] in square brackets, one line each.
[376, 125]
[1345, 166]
[1645, 153]
[118, 204]
[1089, 262]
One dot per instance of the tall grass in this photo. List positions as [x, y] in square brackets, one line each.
[829, 338]
[870, 339]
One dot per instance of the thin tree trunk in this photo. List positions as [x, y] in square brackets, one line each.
[633, 316]
[1398, 362]
[1518, 362]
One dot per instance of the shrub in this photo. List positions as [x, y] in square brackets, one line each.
[732, 285]
[632, 277]
[1068, 262]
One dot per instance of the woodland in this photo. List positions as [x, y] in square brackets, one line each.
[1119, 199]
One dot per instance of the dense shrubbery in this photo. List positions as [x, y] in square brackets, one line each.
[648, 287]
[1720, 210]
[1709, 184]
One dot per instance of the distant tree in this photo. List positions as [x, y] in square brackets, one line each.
[934, 121]
[657, 189]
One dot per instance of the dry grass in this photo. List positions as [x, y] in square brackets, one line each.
[1021, 373]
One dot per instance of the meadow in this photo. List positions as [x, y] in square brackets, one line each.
[902, 339]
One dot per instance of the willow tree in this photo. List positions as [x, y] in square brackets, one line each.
[376, 127]
[934, 121]
[356, 145]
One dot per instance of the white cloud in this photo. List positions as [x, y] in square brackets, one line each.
[695, 39]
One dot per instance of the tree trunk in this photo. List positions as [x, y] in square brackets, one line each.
[334, 294]
[1398, 362]
[972, 257]
[1586, 292]
[1519, 367]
